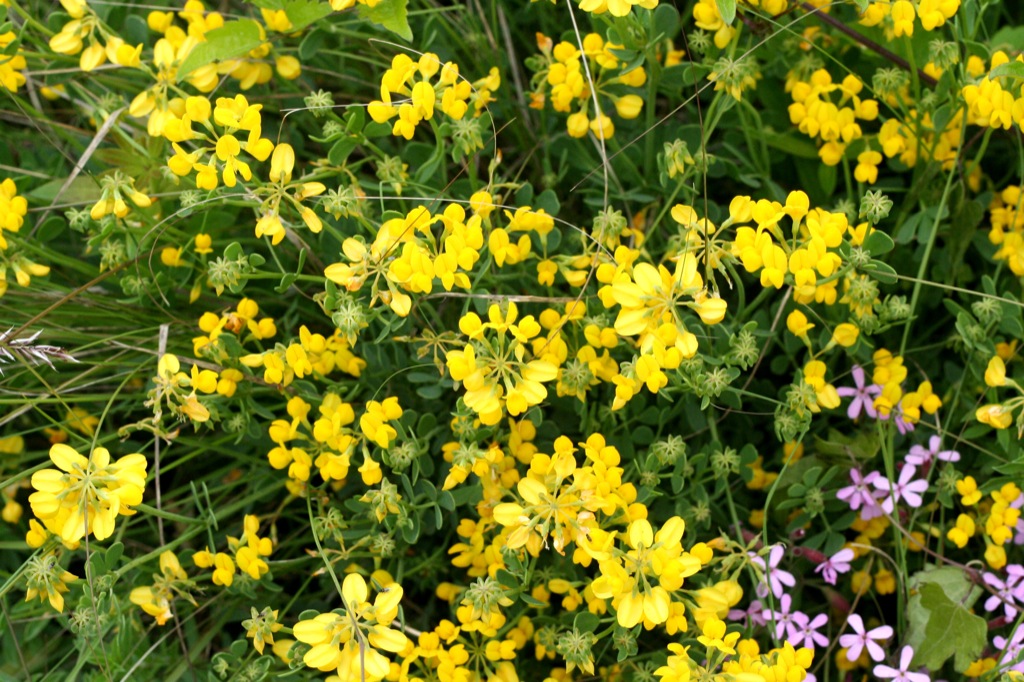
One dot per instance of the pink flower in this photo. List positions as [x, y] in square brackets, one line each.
[855, 643]
[904, 488]
[861, 496]
[751, 616]
[863, 396]
[835, 564]
[920, 456]
[776, 577]
[786, 626]
[807, 630]
[902, 675]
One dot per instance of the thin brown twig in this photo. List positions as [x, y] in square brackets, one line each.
[859, 37]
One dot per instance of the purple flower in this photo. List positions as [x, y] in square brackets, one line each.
[1005, 594]
[920, 456]
[807, 630]
[785, 620]
[776, 577]
[751, 616]
[1012, 648]
[863, 396]
[861, 496]
[902, 675]
[904, 488]
[835, 564]
[856, 643]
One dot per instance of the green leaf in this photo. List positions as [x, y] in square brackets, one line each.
[878, 243]
[82, 190]
[883, 272]
[1012, 69]
[586, 621]
[940, 622]
[341, 149]
[727, 8]
[389, 14]
[951, 631]
[231, 40]
[302, 13]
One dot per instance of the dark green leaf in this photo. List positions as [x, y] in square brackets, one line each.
[878, 243]
[389, 14]
[231, 40]
[341, 149]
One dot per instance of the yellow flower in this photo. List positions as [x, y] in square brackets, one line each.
[85, 495]
[47, 580]
[640, 579]
[156, 599]
[996, 416]
[798, 325]
[962, 532]
[373, 422]
[968, 489]
[351, 641]
[714, 637]
[845, 334]
[995, 373]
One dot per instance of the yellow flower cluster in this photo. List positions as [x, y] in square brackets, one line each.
[497, 369]
[329, 441]
[898, 17]
[1006, 217]
[407, 256]
[84, 27]
[650, 301]
[558, 500]
[739, 660]
[991, 102]
[617, 8]
[235, 322]
[13, 209]
[350, 640]
[313, 354]
[177, 43]
[571, 86]
[800, 261]
[248, 553]
[11, 65]
[180, 392]
[171, 582]
[116, 188]
[640, 574]
[997, 518]
[454, 91]
[282, 163]
[85, 495]
[231, 115]
[1000, 415]
[829, 112]
[890, 373]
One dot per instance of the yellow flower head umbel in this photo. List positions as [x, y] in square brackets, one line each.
[85, 495]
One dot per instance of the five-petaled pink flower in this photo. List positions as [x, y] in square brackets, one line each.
[856, 643]
[921, 456]
[903, 674]
[904, 488]
[835, 564]
[863, 395]
[776, 577]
